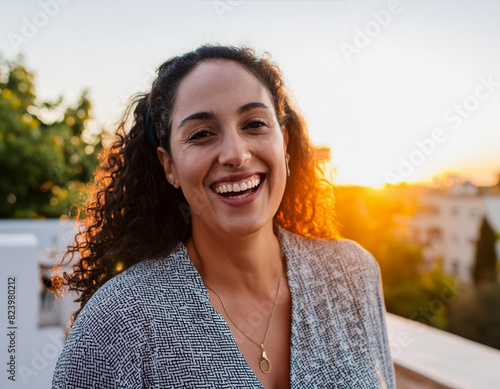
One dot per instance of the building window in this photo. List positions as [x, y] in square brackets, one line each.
[434, 234]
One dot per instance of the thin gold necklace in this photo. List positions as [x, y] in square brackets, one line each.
[265, 363]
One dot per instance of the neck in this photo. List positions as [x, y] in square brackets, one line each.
[247, 263]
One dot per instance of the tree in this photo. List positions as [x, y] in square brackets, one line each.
[368, 217]
[409, 292]
[484, 269]
[44, 163]
[476, 314]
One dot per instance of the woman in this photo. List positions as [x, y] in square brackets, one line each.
[215, 205]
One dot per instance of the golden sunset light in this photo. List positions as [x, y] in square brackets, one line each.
[250, 193]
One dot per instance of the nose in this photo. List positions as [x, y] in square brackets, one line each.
[234, 150]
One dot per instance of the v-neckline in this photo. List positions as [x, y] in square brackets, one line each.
[201, 289]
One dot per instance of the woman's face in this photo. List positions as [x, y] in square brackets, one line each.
[227, 149]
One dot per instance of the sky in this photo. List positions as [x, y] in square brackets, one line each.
[399, 90]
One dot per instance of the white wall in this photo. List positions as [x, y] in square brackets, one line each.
[34, 350]
[458, 216]
[39, 332]
[50, 233]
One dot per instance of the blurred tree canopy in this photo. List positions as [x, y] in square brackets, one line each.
[429, 296]
[367, 216]
[485, 263]
[44, 163]
[476, 315]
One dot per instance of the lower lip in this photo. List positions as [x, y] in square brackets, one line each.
[245, 200]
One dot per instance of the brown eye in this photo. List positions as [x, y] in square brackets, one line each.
[200, 135]
[256, 124]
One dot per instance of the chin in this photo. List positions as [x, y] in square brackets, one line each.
[243, 227]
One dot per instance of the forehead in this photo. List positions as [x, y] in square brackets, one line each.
[219, 85]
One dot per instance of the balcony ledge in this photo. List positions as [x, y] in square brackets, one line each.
[425, 357]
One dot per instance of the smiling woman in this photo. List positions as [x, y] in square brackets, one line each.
[225, 136]
[215, 205]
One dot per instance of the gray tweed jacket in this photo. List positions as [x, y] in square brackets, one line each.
[152, 326]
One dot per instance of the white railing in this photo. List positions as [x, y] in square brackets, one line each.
[425, 357]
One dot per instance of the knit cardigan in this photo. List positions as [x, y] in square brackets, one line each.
[152, 326]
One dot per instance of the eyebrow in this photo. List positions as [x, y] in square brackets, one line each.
[211, 114]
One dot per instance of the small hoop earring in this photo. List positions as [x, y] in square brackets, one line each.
[287, 158]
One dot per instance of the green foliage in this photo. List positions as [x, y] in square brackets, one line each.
[399, 262]
[476, 315]
[44, 164]
[368, 217]
[428, 296]
[485, 263]
[412, 292]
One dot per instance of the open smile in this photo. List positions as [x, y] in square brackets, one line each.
[238, 189]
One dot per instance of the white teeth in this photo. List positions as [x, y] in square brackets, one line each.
[240, 196]
[238, 187]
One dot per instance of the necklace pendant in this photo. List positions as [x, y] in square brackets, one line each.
[265, 363]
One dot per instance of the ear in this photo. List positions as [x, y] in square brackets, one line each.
[285, 138]
[168, 166]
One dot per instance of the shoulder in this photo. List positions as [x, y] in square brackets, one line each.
[339, 260]
[130, 292]
[343, 252]
[115, 329]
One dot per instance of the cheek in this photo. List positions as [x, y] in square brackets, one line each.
[272, 146]
[277, 152]
[191, 168]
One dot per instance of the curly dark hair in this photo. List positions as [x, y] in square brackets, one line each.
[133, 214]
